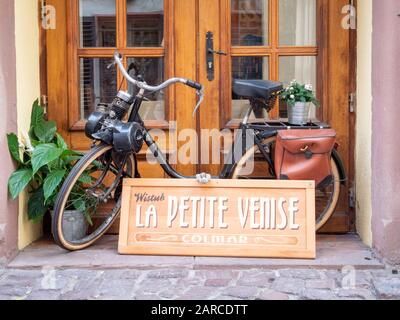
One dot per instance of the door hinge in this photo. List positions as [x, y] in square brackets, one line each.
[44, 103]
[352, 102]
[352, 198]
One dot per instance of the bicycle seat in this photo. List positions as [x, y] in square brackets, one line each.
[262, 89]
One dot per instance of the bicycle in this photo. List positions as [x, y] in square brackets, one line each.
[98, 175]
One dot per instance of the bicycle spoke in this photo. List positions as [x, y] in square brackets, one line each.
[93, 190]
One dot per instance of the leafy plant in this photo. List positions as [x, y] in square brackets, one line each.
[296, 92]
[44, 161]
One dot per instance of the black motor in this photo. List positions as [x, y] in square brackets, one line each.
[105, 125]
[116, 110]
[120, 105]
[94, 123]
[128, 136]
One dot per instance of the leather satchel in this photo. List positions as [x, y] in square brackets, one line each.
[305, 155]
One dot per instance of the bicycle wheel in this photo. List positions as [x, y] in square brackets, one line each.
[254, 166]
[92, 193]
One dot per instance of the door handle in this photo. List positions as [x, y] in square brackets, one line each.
[221, 53]
[210, 64]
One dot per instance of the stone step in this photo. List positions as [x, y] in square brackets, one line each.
[333, 252]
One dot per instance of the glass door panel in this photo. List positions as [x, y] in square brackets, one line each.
[249, 22]
[297, 22]
[303, 70]
[248, 68]
[97, 21]
[145, 23]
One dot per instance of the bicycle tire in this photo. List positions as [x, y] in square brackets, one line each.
[64, 193]
[328, 211]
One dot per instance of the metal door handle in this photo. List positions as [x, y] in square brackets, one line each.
[210, 65]
[221, 53]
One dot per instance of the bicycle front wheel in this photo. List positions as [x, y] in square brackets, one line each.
[254, 166]
[89, 201]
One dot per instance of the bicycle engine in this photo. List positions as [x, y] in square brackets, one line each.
[105, 124]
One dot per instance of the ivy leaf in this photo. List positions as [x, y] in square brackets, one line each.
[51, 183]
[85, 178]
[45, 130]
[37, 116]
[69, 156]
[61, 142]
[67, 153]
[44, 154]
[18, 181]
[80, 205]
[13, 146]
[36, 206]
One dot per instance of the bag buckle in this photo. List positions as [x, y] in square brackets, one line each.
[307, 153]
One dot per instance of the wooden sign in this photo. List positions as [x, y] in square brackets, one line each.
[227, 218]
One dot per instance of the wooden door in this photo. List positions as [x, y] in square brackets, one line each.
[263, 39]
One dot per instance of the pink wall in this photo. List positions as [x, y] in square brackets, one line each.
[8, 123]
[386, 129]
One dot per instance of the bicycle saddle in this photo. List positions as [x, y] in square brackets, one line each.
[262, 89]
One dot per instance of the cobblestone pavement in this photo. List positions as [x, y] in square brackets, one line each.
[184, 284]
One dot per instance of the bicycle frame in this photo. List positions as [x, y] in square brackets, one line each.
[257, 132]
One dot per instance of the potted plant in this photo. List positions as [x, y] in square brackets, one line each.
[44, 161]
[298, 98]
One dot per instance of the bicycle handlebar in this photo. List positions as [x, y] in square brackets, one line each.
[143, 85]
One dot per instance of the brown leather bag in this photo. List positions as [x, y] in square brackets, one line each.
[305, 155]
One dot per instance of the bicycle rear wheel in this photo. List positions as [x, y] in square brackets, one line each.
[92, 192]
[254, 166]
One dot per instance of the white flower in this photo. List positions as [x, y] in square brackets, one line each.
[309, 87]
[28, 142]
[291, 88]
[293, 81]
[292, 96]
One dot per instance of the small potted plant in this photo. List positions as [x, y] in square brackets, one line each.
[44, 161]
[298, 98]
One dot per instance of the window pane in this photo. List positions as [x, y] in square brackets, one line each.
[152, 70]
[297, 22]
[301, 69]
[145, 23]
[97, 84]
[97, 23]
[256, 68]
[249, 22]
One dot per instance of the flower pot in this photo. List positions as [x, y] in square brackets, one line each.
[74, 225]
[298, 113]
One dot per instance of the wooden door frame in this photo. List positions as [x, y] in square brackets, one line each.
[352, 122]
[338, 45]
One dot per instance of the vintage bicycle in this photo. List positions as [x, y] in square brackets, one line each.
[97, 177]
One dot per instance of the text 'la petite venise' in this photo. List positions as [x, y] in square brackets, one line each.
[212, 212]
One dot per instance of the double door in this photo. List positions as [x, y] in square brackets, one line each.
[211, 42]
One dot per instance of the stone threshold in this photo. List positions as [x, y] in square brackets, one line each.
[333, 252]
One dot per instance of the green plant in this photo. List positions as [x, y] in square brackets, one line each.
[296, 92]
[44, 161]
